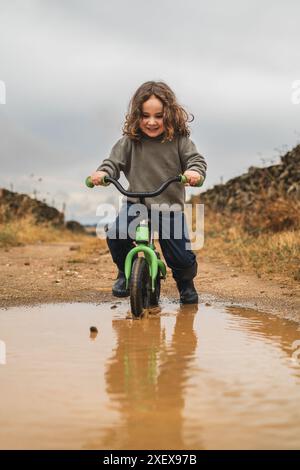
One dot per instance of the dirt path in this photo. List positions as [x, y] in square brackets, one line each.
[55, 273]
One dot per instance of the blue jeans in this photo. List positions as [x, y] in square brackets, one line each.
[180, 260]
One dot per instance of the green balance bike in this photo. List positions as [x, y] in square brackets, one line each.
[143, 267]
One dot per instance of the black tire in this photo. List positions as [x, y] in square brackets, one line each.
[154, 296]
[139, 287]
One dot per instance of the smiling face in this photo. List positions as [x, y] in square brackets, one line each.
[152, 122]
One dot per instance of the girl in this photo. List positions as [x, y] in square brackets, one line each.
[156, 146]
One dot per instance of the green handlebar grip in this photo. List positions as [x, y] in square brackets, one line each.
[89, 183]
[198, 185]
[183, 179]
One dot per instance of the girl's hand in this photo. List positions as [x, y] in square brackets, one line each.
[97, 177]
[193, 177]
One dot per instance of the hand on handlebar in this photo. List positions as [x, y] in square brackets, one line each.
[105, 180]
[97, 177]
[193, 178]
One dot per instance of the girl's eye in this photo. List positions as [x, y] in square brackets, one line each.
[155, 116]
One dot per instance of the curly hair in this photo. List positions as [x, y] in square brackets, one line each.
[175, 117]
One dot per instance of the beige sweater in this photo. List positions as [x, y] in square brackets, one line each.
[149, 162]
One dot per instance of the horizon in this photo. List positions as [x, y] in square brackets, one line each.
[95, 223]
[68, 71]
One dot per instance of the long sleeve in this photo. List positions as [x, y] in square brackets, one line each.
[119, 158]
[190, 157]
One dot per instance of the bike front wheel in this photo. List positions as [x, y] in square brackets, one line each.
[140, 287]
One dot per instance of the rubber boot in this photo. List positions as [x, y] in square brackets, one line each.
[119, 287]
[187, 291]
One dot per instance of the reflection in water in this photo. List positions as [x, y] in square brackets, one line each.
[147, 379]
[216, 378]
[275, 330]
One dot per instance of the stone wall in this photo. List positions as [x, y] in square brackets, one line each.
[243, 192]
[14, 206]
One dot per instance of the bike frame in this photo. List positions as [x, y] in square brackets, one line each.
[143, 237]
[145, 246]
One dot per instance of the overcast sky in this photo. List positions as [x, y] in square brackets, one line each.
[70, 68]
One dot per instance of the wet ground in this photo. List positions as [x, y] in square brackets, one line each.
[71, 272]
[206, 377]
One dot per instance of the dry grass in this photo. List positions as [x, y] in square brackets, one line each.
[268, 215]
[25, 231]
[265, 253]
[90, 246]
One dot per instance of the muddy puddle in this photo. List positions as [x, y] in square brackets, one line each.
[202, 377]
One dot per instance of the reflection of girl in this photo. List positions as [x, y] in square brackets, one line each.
[146, 378]
[156, 146]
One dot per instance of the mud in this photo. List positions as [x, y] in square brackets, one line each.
[56, 273]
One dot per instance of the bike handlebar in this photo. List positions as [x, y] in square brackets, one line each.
[108, 179]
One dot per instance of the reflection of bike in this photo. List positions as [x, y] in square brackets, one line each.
[143, 274]
[147, 379]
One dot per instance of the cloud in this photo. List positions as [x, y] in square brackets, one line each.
[71, 67]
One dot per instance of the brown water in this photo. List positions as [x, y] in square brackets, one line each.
[188, 378]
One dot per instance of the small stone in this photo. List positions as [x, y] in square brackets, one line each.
[207, 304]
[234, 275]
[93, 329]
[113, 306]
[26, 263]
